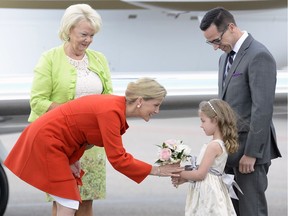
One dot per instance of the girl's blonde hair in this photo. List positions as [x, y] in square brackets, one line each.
[76, 13]
[146, 88]
[227, 121]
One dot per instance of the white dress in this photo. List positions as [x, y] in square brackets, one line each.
[210, 197]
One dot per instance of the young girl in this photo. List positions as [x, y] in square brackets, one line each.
[207, 194]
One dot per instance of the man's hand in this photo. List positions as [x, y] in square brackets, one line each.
[246, 164]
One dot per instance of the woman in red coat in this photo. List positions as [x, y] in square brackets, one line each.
[47, 152]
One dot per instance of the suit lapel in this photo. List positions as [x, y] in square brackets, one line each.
[240, 54]
[222, 66]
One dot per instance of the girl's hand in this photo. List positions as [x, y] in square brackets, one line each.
[76, 169]
[176, 181]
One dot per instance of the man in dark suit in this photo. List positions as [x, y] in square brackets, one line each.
[247, 80]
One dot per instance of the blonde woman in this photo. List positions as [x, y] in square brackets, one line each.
[70, 71]
[47, 152]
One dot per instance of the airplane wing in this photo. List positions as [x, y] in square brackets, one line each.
[185, 91]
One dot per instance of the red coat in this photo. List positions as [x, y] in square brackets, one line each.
[43, 152]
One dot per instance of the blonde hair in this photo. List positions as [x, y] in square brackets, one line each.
[146, 88]
[227, 121]
[76, 13]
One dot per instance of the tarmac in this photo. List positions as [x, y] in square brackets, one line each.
[155, 196]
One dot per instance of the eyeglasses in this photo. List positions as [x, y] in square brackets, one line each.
[218, 40]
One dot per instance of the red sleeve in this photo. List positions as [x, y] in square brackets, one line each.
[111, 124]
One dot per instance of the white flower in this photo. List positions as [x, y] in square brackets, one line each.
[171, 143]
[186, 149]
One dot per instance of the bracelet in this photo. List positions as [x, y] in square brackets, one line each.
[158, 171]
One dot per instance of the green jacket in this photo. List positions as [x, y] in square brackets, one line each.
[55, 79]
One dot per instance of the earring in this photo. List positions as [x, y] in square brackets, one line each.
[139, 105]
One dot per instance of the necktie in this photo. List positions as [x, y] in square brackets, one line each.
[229, 63]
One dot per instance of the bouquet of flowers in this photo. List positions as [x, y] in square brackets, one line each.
[173, 151]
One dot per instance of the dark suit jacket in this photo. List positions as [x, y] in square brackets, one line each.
[250, 91]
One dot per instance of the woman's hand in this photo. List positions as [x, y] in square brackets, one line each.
[53, 106]
[167, 170]
[76, 169]
[89, 146]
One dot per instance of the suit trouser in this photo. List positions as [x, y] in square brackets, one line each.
[253, 201]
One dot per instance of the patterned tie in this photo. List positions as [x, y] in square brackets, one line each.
[229, 63]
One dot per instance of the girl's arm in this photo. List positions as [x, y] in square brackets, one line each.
[212, 151]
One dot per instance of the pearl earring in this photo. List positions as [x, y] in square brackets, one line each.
[139, 105]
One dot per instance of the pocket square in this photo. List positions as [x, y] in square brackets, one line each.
[236, 74]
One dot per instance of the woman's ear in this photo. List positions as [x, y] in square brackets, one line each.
[139, 102]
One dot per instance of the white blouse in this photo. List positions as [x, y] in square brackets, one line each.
[87, 82]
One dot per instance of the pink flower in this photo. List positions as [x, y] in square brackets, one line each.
[165, 154]
[172, 151]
